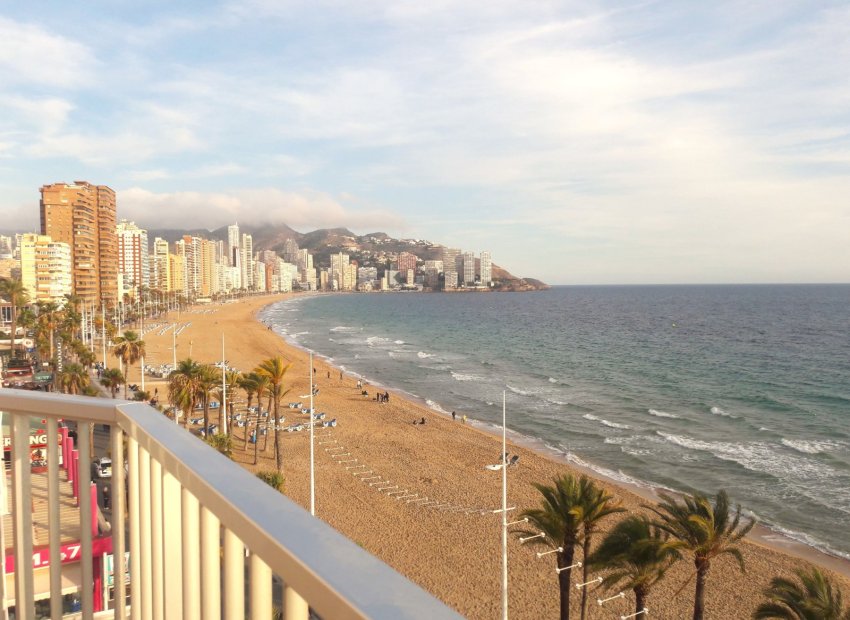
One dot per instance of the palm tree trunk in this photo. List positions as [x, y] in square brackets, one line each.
[14, 328]
[256, 438]
[585, 569]
[247, 418]
[640, 599]
[206, 417]
[278, 457]
[565, 559]
[699, 594]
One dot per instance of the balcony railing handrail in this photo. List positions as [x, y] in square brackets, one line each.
[335, 576]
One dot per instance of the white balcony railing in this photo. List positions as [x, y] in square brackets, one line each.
[192, 518]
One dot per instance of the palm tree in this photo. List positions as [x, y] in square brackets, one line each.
[249, 385]
[637, 555]
[14, 291]
[597, 505]
[232, 379]
[112, 379]
[208, 380]
[558, 520]
[814, 597]
[73, 379]
[183, 387]
[263, 386]
[707, 530]
[275, 368]
[129, 349]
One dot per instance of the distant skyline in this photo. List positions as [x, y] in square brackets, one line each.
[579, 142]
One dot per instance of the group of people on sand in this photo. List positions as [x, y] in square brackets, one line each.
[383, 398]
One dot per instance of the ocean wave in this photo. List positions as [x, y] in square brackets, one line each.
[806, 539]
[398, 341]
[760, 457]
[343, 328]
[662, 414]
[458, 376]
[555, 401]
[552, 380]
[422, 355]
[376, 340]
[611, 474]
[436, 407]
[814, 446]
[722, 413]
[519, 391]
[590, 416]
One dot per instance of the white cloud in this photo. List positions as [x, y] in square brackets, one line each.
[303, 210]
[30, 54]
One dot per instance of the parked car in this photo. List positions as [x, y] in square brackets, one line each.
[102, 467]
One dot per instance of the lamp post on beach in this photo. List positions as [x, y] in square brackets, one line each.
[312, 465]
[504, 467]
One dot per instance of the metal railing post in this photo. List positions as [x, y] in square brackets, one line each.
[22, 518]
[191, 557]
[157, 584]
[210, 565]
[172, 546]
[146, 573]
[261, 589]
[234, 576]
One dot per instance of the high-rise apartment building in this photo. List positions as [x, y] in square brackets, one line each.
[46, 272]
[450, 257]
[233, 245]
[133, 258]
[486, 268]
[83, 216]
[290, 251]
[160, 266]
[405, 262]
[209, 277]
[469, 268]
[177, 272]
[247, 268]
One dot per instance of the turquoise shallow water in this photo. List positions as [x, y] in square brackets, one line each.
[685, 387]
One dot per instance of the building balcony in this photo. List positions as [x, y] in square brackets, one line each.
[187, 533]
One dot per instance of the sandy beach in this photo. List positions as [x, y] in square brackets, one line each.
[449, 548]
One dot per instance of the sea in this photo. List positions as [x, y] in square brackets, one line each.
[680, 388]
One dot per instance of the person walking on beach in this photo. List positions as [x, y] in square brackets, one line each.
[463, 419]
[454, 416]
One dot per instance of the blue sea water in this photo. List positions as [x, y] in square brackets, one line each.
[688, 388]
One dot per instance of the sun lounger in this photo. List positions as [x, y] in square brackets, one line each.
[329, 423]
[295, 405]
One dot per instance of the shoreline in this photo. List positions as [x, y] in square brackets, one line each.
[761, 534]
[451, 549]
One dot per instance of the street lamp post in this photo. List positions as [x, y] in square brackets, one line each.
[312, 464]
[504, 467]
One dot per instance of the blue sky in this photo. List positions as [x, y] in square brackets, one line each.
[580, 142]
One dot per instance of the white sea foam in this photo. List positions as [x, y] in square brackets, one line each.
[519, 391]
[399, 342]
[662, 414]
[806, 539]
[436, 406]
[555, 401]
[552, 380]
[343, 328]
[423, 355]
[376, 340]
[721, 412]
[815, 446]
[590, 416]
[762, 457]
[459, 376]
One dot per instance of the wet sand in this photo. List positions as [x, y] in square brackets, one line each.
[449, 548]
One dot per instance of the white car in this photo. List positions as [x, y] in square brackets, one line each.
[102, 467]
